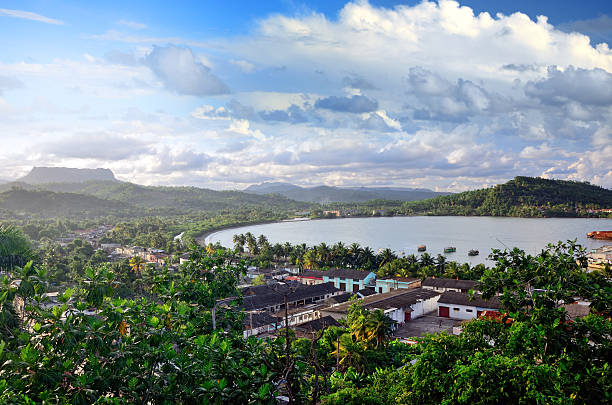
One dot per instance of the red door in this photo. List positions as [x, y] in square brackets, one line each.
[407, 316]
[443, 312]
[343, 286]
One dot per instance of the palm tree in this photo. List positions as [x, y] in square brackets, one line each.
[354, 252]
[386, 256]
[426, 260]
[367, 259]
[239, 241]
[379, 327]
[440, 263]
[349, 351]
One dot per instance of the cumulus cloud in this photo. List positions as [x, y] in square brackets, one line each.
[182, 72]
[354, 104]
[586, 86]
[357, 82]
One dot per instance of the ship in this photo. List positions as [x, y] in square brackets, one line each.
[473, 252]
[606, 235]
[421, 248]
[450, 249]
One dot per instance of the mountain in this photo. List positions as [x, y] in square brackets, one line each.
[521, 196]
[43, 175]
[327, 194]
[113, 198]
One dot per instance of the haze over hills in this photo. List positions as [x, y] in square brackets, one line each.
[327, 194]
[43, 175]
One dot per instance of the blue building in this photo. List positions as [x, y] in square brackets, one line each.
[396, 283]
[350, 280]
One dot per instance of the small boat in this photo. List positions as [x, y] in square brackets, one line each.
[421, 248]
[473, 252]
[600, 235]
[450, 249]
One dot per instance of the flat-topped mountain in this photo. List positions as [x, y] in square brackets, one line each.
[45, 175]
[327, 194]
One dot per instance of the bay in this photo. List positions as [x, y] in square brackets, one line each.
[404, 234]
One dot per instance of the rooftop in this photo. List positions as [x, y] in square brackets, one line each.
[271, 296]
[392, 299]
[347, 273]
[457, 298]
[317, 324]
[448, 283]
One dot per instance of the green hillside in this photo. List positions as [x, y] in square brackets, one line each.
[109, 198]
[522, 196]
[47, 204]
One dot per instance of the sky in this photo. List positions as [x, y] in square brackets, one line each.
[441, 94]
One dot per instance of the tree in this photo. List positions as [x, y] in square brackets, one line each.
[15, 248]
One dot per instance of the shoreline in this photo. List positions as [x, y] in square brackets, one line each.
[202, 238]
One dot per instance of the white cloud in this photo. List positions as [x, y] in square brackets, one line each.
[182, 72]
[245, 66]
[28, 15]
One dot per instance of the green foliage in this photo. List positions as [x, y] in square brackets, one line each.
[93, 348]
[520, 197]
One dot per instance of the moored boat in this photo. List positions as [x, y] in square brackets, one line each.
[421, 248]
[450, 249]
[606, 235]
[473, 252]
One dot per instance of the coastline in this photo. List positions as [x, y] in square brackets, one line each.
[201, 239]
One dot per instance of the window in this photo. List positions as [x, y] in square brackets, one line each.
[468, 310]
[456, 309]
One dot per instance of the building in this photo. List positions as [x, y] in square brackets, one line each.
[400, 305]
[308, 277]
[449, 284]
[396, 283]
[311, 328]
[457, 305]
[349, 280]
[272, 298]
[598, 258]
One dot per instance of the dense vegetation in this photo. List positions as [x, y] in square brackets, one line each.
[172, 342]
[522, 196]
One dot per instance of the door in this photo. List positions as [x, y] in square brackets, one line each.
[407, 316]
[443, 312]
[343, 286]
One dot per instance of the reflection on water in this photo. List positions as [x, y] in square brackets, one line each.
[404, 234]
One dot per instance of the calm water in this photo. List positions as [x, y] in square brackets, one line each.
[404, 234]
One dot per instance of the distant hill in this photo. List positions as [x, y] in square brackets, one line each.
[328, 194]
[47, 204]
[43, 175]
[100, 198]
[521, 196]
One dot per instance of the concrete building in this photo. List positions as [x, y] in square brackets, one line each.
[458, 305]
[396, 283]
[349, 280]
[449, 284]
[400, 305]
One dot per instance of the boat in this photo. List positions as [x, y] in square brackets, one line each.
[450, 249]
[473, 252]
[421, 248]
[606, 235]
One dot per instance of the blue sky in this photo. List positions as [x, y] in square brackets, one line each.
[445, 95]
